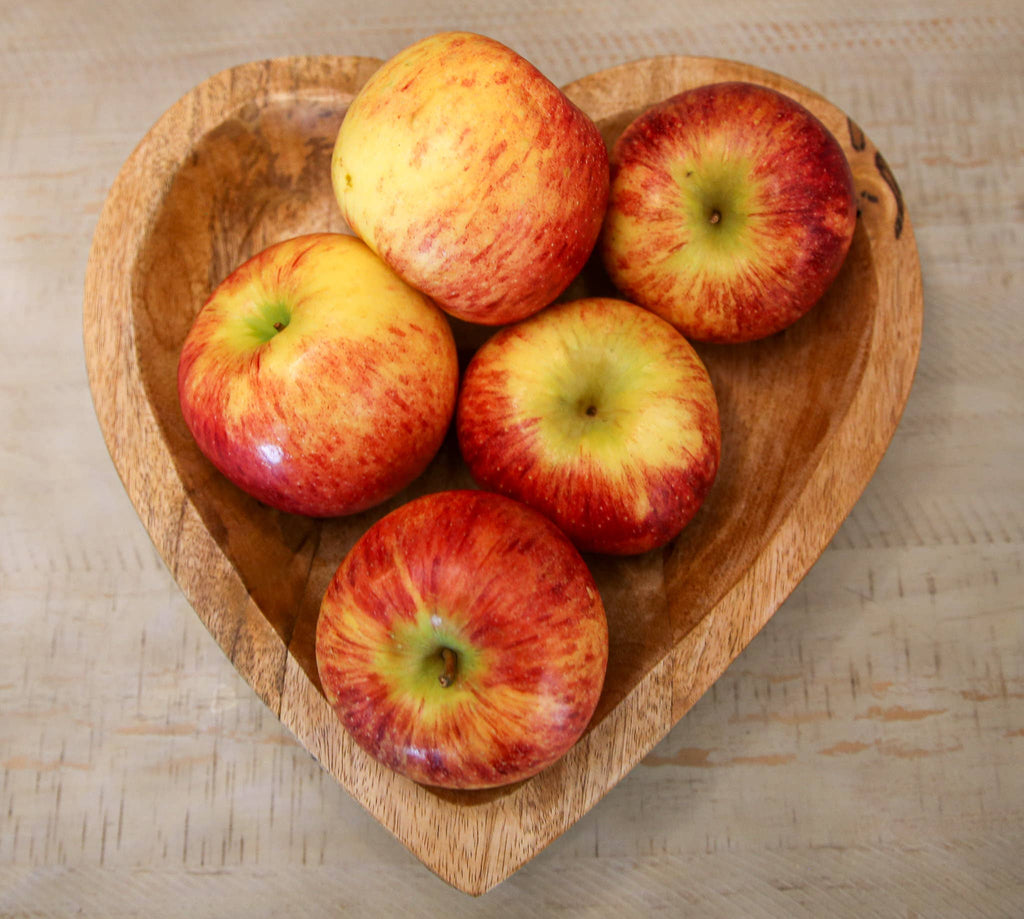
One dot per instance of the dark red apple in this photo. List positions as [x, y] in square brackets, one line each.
[462, 641]
[731, 211]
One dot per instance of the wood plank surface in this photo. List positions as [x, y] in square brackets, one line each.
[863, 756]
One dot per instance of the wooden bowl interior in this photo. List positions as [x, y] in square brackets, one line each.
[262, 175]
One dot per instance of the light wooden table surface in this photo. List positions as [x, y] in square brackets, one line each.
[864, 756]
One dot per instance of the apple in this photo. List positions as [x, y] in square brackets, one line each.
[731, 211]
[462, 641]
[316, 379]
[599, 414]
[473, 176]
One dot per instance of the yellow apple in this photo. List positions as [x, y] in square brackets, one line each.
[600, 415]
[472, 176]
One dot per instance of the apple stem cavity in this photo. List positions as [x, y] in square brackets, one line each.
[587, 404]
[451, 660]
[267, 320]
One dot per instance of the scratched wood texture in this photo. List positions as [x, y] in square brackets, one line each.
[863, 756]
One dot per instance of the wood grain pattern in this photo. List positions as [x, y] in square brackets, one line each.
[242, 161]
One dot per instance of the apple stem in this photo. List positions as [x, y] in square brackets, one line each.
[715, 216]
[278, 326]
[450, 660]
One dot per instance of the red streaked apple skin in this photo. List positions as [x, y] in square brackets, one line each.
[784, 195]
[500, 584]
[341, 408]
[473, 176]
[600, 415]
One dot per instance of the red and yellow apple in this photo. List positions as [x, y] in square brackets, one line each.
[316, 379]
[731, 211]
[462, 641]
[600, 415]
[473, 176]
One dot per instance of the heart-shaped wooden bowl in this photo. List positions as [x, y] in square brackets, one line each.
[242, 161]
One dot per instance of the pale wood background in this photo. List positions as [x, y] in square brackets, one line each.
[863, 757]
